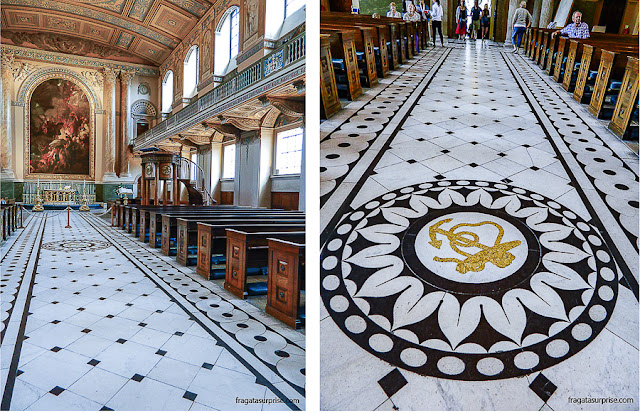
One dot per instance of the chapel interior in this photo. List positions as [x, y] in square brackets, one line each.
[153, 204]
[479, 206]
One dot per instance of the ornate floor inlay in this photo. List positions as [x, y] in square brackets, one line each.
[485, 254]
[468, 280]
[76, 246]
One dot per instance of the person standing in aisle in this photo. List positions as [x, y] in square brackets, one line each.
[485, 23]
[475, 20]
[393, 12]
[521, 20]
[423, 9]
[461, 19]
[436, 22]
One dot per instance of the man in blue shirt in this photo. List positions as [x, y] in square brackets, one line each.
[576, 30]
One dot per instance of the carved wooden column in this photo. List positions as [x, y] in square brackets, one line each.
[125, 140]
[110, 135]
[6, 145]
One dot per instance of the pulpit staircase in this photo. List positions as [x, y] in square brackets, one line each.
[191, 175]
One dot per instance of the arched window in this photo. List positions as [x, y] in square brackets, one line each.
[167, 92]
[227, 35]
[291, 6]
[276, 12]
[190, 73]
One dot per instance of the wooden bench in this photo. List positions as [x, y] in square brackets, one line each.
[168, 220]
[627, 101]
[589, 63]
[342, 44]
[363, 40]
[612, 65]
[330, 103]
[187, 229]
[576, 48]
[152, 219]
[212, 243]
[249, 249]
[286, 280]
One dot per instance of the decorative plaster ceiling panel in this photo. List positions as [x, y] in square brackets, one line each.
[87, 12]
[172, 21]
[150, 51]
[111, 5]
[22, 18]
[62, 24]
[149, 29]
[94, 31]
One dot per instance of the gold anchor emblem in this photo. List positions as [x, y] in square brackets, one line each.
[498, 254]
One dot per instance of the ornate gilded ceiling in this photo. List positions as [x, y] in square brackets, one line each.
[136, 31]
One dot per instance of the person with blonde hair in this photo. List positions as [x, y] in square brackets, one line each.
[521, 20]
[393, 12]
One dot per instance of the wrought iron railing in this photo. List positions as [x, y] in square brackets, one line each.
[287, 54]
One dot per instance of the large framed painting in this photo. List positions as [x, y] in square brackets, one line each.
[60, 134]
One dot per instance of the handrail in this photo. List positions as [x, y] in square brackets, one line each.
[285, 55]
[208, 199]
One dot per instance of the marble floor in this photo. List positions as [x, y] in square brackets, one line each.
[480, 244]
[92, 319]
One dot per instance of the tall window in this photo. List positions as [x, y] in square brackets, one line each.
[229, 161]
[190, 73]
[291, 6]
[289, 152]
[194, 168]
[227, 40]
[167, 92]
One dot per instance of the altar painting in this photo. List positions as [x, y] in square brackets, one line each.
[60, 123]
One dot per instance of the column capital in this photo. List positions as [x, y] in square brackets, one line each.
[110, 76]
[126, 76]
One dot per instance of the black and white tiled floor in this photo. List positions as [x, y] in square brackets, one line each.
[111, 324]
[482, 253]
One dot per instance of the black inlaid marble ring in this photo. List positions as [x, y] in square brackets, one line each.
[468, 280]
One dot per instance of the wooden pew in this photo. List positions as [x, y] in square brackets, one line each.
[168, 220]
[388, 27]
[187, 229]
[627, 100]
[212, 243]
[363, 40]
[589, 62]
[153, 220]
[612, 65]
[330, 103]
[286, 280]
[576, 48]
[250, 248]
[142, 215]
[343, 48]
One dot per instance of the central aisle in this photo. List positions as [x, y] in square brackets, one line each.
[476, 231]
[110, 324]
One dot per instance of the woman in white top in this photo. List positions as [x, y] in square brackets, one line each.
[393, 12]
[521, 20]
[436, 22]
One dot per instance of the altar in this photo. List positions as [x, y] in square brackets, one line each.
[58, 192]
[60, 196]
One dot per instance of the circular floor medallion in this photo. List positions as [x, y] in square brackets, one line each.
[467, 280]
[76, 245]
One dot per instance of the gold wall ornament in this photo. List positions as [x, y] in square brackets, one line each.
[498, 254]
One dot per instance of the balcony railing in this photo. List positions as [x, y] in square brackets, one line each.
[284, 56]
